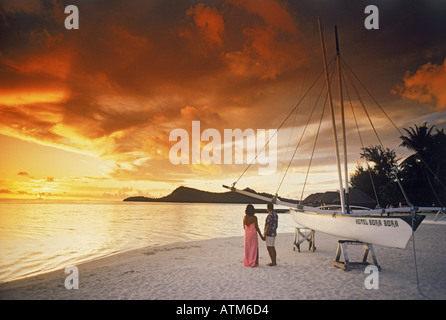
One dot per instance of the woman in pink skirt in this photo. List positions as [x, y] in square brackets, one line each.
[251, 227]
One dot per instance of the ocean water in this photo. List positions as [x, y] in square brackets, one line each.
[38, 236]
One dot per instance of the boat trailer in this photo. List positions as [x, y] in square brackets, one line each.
[347, 264]
[303, 234]
[306, 234]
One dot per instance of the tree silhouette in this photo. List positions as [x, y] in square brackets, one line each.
[377, 181]
[422, 174]
[418, 139]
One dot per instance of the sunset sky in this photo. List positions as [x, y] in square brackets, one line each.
[87, 113]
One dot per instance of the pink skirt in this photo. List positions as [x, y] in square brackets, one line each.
[251, 258]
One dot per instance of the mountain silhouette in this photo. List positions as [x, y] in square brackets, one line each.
[191, 195]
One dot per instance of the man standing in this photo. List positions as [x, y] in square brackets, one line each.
[271, 224]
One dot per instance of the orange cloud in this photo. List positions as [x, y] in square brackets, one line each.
[206, 115]
[126, 44]
[209, 21]
[272, 47]
[54, 63]
[426, 85]
[24, 173]
[119, 85]
[273, 12]
[28, 6]
[31, 96]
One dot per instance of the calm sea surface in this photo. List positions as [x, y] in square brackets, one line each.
[39, 236]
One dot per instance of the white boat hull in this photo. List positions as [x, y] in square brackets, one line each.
[385, 231]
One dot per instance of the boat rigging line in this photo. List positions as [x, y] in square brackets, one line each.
[300, 140]
[362, 143]
[312, 152]
[280, 126]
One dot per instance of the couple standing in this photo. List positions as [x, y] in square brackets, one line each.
[251, 227]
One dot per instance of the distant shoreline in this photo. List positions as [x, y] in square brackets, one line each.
[190, 195]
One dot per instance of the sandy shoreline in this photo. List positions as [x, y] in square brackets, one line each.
[213, 270]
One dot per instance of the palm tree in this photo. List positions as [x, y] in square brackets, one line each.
[423, 173]
[419, 139]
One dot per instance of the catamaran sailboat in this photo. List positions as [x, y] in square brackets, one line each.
[390, 227]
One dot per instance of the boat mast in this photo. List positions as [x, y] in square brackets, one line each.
[333, 121]
[344, 137]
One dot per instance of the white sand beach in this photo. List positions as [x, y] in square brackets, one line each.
[213, 269]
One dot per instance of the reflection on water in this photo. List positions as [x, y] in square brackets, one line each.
[39, 236]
